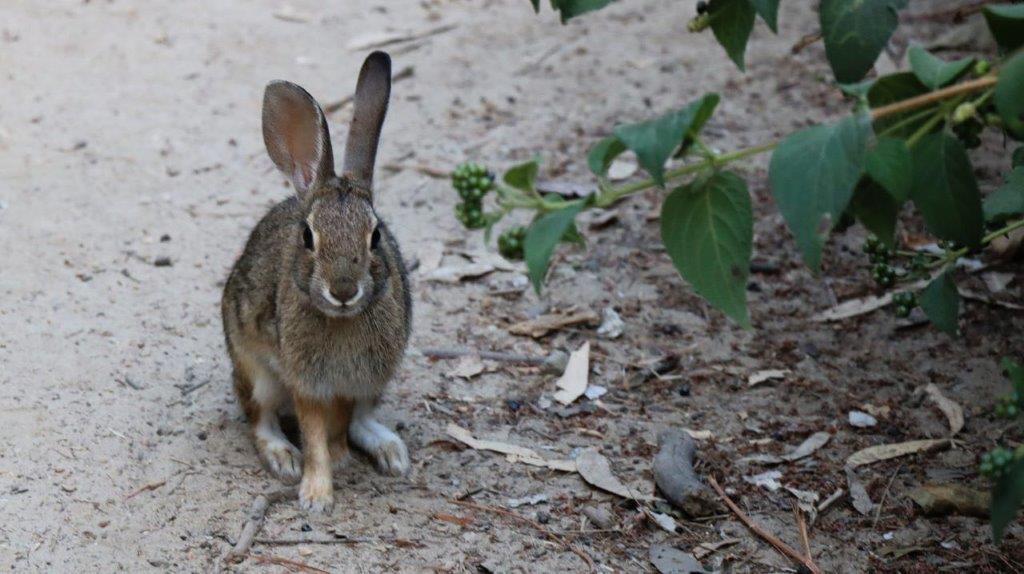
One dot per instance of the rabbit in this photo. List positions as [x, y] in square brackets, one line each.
[317, 310]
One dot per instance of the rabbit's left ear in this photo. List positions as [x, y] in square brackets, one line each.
[371, 104]
[295, 132]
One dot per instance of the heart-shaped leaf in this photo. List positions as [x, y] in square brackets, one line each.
[888, 163]
[654, 140]
[945, 190]
[1009, 95]
[1006, 22]
[813, 173]
[940, 301]
[933, 71]
[603, 154]
[769, 12]
[876, 210]
[732, 21]
[855, 33]
[542, 236]
[1008, 200]
[707, 228]
[523, 176]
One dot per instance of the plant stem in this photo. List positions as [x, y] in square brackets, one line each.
[952, 256]
[511, 198]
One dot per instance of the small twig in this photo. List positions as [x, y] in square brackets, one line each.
[289, 563]
[144, 488]
[825, 504]
[801, 524]
[406, 72]
[257, 512]
[297, 541]
[487, 355]
[768, 537]
[127, 381]
[881, 503]
[554, 537]
[802, 43]
[191, 389]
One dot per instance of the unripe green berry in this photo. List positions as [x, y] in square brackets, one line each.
[964, 112]
[981, 67]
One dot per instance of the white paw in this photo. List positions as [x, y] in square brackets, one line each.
[392, 457]
[282, 459]
[316, 495]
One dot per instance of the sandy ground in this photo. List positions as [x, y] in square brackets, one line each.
[129, 132]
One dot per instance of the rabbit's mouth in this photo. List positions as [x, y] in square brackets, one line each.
[333, 307]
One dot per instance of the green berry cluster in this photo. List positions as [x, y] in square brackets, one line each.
[510, 243]
[905, 303]
[472, 181]
[996, 463]
[880, 256]
[1009, 406]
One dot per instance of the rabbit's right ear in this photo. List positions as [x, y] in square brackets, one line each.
[373, 89]
[295, 132]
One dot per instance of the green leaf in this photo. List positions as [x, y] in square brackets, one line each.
[571, 8]
[536, 6]
[1008, 200]
[769, 12]
[888, 163]
[707, 228]
[859, 89]
[876, 210]
[855, 31]
[1006, 22]
[541, 238]
[523, 176]
[894, 88]
[933, 71]
[732, 21]
[1009, 95]
[945, 190]
[603, 154]
[813, 173]
[654, 140]
[1007, 497]
[940, 301]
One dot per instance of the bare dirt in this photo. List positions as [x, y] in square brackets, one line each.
[132, 168]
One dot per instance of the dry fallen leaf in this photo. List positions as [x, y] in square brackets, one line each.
[768, 479]
[573, 382]
[545, 324]
[881, 452]
[954, 413]
[467, 367]
[807, 448]
[858, 494]
[664, 521]
[706, 548]
[597, 471]
[514, 453]
[766, 375]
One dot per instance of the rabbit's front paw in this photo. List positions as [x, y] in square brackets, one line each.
[316, 494]
[392, 457]
[281, 458]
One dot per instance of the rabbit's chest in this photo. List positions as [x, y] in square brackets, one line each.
[356, 362]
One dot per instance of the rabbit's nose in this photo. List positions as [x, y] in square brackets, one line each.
[347, 294]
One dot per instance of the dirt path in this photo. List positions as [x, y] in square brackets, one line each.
[129, 133]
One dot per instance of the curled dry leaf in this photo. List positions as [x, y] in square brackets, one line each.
[545, 324]
[873, 454]
[456, 273]
[766, 375]
[514, 453]
[768, 479]
[858, 494]
[953, 411]
[573, 382]
[467, 367]
[597, 471]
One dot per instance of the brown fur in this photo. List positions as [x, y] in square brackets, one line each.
[288, 334]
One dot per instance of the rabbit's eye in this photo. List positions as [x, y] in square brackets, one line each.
[307, 236]
[375, 238]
